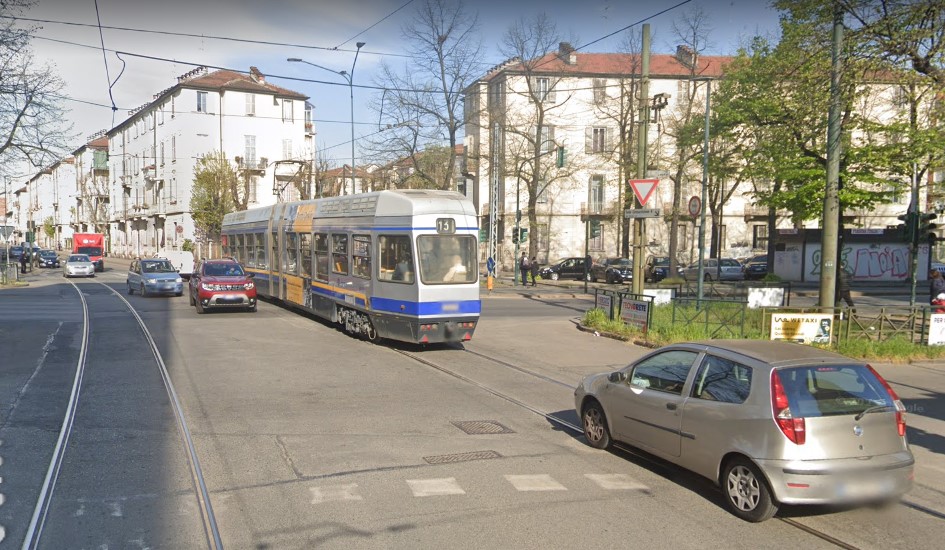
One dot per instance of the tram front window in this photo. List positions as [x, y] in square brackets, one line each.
[447, 259]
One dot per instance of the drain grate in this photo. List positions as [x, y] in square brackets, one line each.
[461, 457]
[479, 427]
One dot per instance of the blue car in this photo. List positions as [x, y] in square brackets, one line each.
[154, 276]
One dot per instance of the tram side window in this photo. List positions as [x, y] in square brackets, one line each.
[236, 247]
[291, 258]
[395, 262]
[339, 254]
[261, 251]
[361, 256]
[305, 247]
[248, 258]
[320, 244]
[274, 247]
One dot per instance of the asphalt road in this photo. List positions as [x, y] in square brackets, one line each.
[310, 438]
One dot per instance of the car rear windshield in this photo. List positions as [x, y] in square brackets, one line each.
[832, 390]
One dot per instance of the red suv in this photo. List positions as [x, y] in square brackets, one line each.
[222, 284]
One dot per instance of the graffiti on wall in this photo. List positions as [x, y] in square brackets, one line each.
[887, 262]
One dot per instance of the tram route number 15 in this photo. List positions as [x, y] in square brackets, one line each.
[445, 226]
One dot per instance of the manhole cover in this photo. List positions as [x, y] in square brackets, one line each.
[479, 427]
[461, 457]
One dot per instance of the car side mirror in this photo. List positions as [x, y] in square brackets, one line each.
[617, 377]
[250, 275]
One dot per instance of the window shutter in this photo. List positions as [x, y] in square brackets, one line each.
[588, 140]
[551, 91]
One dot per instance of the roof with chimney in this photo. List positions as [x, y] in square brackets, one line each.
[254, 81]
[569, 62]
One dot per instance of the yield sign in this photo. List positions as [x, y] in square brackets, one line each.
[643, 189]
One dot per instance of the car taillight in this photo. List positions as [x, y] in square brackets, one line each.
[900, 408]
[793, 428]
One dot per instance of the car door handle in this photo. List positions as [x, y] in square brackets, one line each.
[671, 406]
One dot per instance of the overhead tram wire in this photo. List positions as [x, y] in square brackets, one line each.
[108, 77]
[408, 2]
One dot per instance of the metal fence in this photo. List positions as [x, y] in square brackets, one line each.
[720, 318]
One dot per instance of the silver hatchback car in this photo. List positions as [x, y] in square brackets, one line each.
[770, 422]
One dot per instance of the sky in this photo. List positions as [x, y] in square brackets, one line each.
[135, 65]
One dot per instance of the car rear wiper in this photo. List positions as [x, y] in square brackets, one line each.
[876, 408]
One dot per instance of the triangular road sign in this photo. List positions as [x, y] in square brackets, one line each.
[643, 189]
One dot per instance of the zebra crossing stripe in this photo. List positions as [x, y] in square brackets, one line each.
[540, 482]
[334, 493]
[615, 482]
[435, 487]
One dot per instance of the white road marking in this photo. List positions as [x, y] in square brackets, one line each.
[540, 482]
[615, 481]
[435, 487]
[334, 493]
[115, 505]
[80, 511]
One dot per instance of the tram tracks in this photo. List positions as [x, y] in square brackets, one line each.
[822, 535]
[47, 491]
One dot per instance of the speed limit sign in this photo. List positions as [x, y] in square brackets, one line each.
[695, 206]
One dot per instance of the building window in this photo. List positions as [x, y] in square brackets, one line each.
[682, 88]
[250, 104]
[597, 194]
[597, 243]
[288, 112]
[600, 90]
[249, 156]
[547, 143]
[542, 197]
[162, 153]
[173, 148]
[759, 236]
[541, 237]
[598, 139]
[286, 149]
[161, 115]
[542, 89]
[173, 107]
[201, 102]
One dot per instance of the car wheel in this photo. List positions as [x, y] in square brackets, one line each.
[707, 278]
[200, 308]
[181, 293]
[252, 308]
[595, 426]
[746, 491]
[554, 276]
[130, 290]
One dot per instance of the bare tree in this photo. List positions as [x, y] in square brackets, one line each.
[691, 31]
[533, 95]
[31, 117]
[422, 105]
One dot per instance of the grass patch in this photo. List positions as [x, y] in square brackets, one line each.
[691, 325]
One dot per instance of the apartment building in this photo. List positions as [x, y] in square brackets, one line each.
[578, 114]
[44, 205]
[153, 153]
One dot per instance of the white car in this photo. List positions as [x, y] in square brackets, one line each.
[78, 265]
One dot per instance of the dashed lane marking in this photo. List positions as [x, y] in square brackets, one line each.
[540, 482]
[335, 493]
[435, 487]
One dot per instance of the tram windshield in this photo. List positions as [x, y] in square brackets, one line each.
[447, 259]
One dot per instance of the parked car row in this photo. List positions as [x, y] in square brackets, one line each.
[656, 268]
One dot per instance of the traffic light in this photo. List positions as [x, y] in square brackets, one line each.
[560, 161]
[595, 228]
[927, 228]
[520, 235]
[907, 227]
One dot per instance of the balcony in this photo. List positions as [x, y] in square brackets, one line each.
[150, 173]
[597, 211]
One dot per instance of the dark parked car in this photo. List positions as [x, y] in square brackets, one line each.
[656, 269]
[756, 267]
[613, 270]
[48, 258]
[568, 268]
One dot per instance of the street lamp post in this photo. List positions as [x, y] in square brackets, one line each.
[349, 78]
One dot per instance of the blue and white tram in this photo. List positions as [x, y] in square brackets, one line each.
[400, 265]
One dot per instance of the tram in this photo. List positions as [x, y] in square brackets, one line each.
[400, 265]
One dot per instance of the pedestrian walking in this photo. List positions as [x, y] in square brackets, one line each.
[936, 284]
[843, 287]
[23, 262]
[533, 267]
[523, 268]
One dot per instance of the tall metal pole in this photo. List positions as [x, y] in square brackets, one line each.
[519, 276]
[917, 211]
[351, 88]
[829, 248]
[639, 231]
[700, 285]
